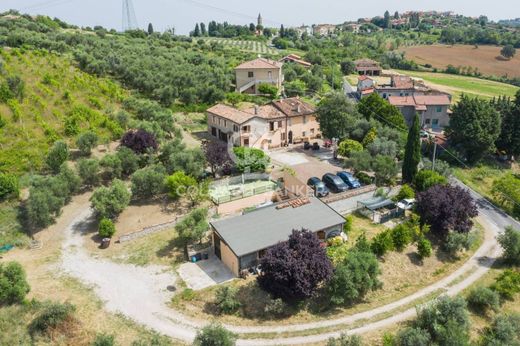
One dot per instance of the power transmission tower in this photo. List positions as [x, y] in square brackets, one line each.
[129, 18]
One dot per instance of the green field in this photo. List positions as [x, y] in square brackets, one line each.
[243, 45]
[59, 101]
[458, 85]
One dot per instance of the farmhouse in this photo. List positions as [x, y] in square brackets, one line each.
[368, 67]
[323, 29]
[295, 59]
[273, 125]
[241, 241]
[249, 75]
[434, 110]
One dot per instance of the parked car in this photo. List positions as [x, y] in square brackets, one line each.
[424, 134]
[320, 190]
[315, 146]
[306, 145]
[327, 143]
[406, 204]
[334, 183]
[349, 179]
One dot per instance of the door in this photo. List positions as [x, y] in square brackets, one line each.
[216, 243]
[290, 137]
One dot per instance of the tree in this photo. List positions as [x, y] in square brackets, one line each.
[150, 29]
[426, 179]
[217, 156]
[58, 154]
[88, 170]
[86, 142]
[504, 331]
[412, 153]
[507, 284]
[334, 114]
[406, 192]
[139, 141]
[349, 146]
[456, 242]
[294, 269]
[346, 340]
[190, 161]
[382, 243]
[214, 335]
[446, 321]
[13, 283]
[387, 23]
[178, 184]
[203, 31]
[268, 89]
[226, 300]
[510, 241]
[413, 337]
[9, 186]
[106, 228]
[401, 236]
[509, 139]
[250, 159]
[129, 160]
[483, 299]
[196, 32]
[353, 278]
[148, 182]
[424, 248]
[295, 88]
[446, 208]
[474, 127]
[191, 228]
[110, 201]
[506, 191]
[385, 169]
[112, 167]
[42, 207]
[348, 67]
[375, 107]
[508, 51]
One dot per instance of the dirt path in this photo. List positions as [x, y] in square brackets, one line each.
[140, 293]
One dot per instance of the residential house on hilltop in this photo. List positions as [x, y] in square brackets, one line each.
[368, 67]
[323, 29]
[250, 74]
[240, 242]
[272, 125]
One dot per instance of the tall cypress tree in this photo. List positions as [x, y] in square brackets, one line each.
[412, 154]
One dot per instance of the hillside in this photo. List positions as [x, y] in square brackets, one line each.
[59, 101]
[486, 59]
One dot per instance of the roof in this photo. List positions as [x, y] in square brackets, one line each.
[268, 226]
[376, 203]
[290, 107]
[364, 77]
[259, 63]
[230, 113]
[297, 59]
[367, 64]
[402, 82]
[420, 102]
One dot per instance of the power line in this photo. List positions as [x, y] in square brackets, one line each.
[45, 4]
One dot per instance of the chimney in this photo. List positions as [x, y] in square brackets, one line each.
[257, 109]
[298, 108]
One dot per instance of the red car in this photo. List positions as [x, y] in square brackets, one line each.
[327, 143]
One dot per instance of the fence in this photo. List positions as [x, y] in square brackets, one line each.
[349, 194]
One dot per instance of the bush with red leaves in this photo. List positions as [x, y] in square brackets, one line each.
[139, 141]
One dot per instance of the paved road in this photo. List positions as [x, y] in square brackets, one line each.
[140, 293]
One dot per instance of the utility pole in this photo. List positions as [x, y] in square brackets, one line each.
[129, 18]
[434, 152]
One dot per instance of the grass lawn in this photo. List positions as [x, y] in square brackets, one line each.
[402, 274]
[457, 85]
[11, 232]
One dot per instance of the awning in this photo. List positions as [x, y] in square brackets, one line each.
[376, 203]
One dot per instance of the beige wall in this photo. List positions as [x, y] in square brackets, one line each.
[228, 258]
[431, 113]
[271, 76]
[304, 127]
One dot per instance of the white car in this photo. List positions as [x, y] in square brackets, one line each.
[406, 204]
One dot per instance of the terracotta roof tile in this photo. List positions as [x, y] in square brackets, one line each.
[294, 106]
[259, 63]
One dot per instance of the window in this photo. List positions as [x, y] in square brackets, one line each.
[235, 128]
[282, 136]
[214, 131]
[401, 94]
[250, 74]
[271, 126]
[428, 121]
[246, 128]
[246, 142]
[225, 123]
[304, 119]
[280, 124]
[290, 121]
[312, 131]
[384, 95]
[219, 121]
[270, 74]
[304, 133]
[439, 109]
[435, 122]
[214, 119]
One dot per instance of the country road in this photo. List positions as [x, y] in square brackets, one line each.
[140, 293]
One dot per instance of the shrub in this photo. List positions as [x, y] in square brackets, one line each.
[364, 178]
[413, 337]
[226, 299]
[268, 89]
[505, 330]
[58, 154]
[425, 179]
[275, 307]
[347, 227]
[86, 142]
[13, 283]
[346, 340]
[129, 160]
[109, 202]
[112, 167]
[405, 193]
[88, 170]
[354, 278]
[214, 335]
[482, 299]
[250, 159]
[104, 340]
[52, 316]
[401, 236]
[507, 284]
[510, 242]
[293, 270]
[424, 248]
[106, 228]
[148, 182]
[178, 184]
[348, 146]
[382, 243]
[456, 242]
[9, 186]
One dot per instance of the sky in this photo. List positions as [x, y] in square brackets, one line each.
[183, 14]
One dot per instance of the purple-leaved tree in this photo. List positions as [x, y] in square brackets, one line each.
[139, 141]
[217, 156]
[294, 269]
[446, 208]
